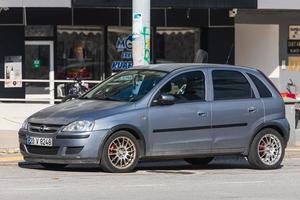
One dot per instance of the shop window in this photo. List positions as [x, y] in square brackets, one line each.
[39, 31]
[179, 45]
[80, 53]
[37, 66]
[119, 48]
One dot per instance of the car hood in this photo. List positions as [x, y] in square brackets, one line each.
[68, 112]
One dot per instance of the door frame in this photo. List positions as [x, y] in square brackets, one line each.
[51, 67]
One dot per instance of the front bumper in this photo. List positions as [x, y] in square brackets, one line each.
[68, 148]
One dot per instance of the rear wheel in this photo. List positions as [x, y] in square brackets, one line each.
[199, 161]
[53, 166]
[120, 153]
[267, 150]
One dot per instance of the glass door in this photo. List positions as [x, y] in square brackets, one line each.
[39, 70]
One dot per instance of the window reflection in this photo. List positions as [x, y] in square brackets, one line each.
[80, 53]
[180, 45]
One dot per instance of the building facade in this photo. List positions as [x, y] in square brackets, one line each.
[47, 43]
[91, 39]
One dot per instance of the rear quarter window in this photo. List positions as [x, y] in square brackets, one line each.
[263, 90]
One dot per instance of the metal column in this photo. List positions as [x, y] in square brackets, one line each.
[141, 32]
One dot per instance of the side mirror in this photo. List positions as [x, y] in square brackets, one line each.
[166, 99]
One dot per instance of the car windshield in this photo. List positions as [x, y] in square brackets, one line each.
[129, 86]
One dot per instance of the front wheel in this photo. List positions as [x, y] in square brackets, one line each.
[120, 153]
[267, 150]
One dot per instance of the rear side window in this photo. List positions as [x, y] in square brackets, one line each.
[269, 81]
[263, 91]
[231, 85]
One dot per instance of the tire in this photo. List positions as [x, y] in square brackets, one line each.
[267, 150]
[199, 161]
[53, 166]
[117, 157]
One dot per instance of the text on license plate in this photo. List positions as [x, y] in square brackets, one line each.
[36, 141]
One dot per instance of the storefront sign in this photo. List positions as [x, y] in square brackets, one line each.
[126, 55]
[124, 43]
[293, 46]
[294, 63]
[124, 47]
[36, 63]
[121, 65]
[294, 32]
[13, 71]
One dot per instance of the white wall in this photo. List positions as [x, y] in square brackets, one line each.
[258, 46]
[12, 115]
[35, 3]
[278, 4]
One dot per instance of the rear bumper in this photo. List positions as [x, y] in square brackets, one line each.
[79, 148]
[285, 128]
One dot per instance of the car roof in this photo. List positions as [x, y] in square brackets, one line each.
[176, 66]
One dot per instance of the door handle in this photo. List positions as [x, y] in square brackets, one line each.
[252, 109]
[202, 114]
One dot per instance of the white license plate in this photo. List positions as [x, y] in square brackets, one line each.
[36, 141]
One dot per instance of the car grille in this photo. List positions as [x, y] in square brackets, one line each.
[44, 128]
[42, 150]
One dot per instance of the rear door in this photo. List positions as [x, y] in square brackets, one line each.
[236, 110]
[184, 127]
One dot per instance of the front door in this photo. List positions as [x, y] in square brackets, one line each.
[39, 69]
[184, 127]
[236, 112]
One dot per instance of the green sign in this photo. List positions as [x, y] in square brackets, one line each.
[36, 63]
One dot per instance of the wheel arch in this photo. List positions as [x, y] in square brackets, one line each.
[130, 128]
[273, 125]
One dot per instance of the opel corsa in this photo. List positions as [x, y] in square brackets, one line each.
[189, 111]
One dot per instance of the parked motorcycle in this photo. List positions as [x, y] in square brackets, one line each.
[75, 90]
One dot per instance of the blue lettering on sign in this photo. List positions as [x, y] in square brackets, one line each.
[126, 55]
[124, 43]
[121, 65]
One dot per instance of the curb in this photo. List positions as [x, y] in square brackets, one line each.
[9, 151]
[11, 159]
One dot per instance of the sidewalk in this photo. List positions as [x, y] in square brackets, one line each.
[9, 142]
[9, 148]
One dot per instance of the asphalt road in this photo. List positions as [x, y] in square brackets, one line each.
[223, 179]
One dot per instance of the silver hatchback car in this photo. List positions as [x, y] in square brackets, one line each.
[188, 111]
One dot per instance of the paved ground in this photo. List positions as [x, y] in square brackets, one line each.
[8, 140]
[223, 179]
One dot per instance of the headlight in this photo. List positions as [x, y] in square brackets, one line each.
[79, 126]
[25, 125]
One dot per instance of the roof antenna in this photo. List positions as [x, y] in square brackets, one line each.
[229, 54]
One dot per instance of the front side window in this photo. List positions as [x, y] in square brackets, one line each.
[186, 87]
[128, 86]
[231, 85]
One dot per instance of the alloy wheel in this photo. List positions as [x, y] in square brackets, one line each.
[269, 149]
[122, 152]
